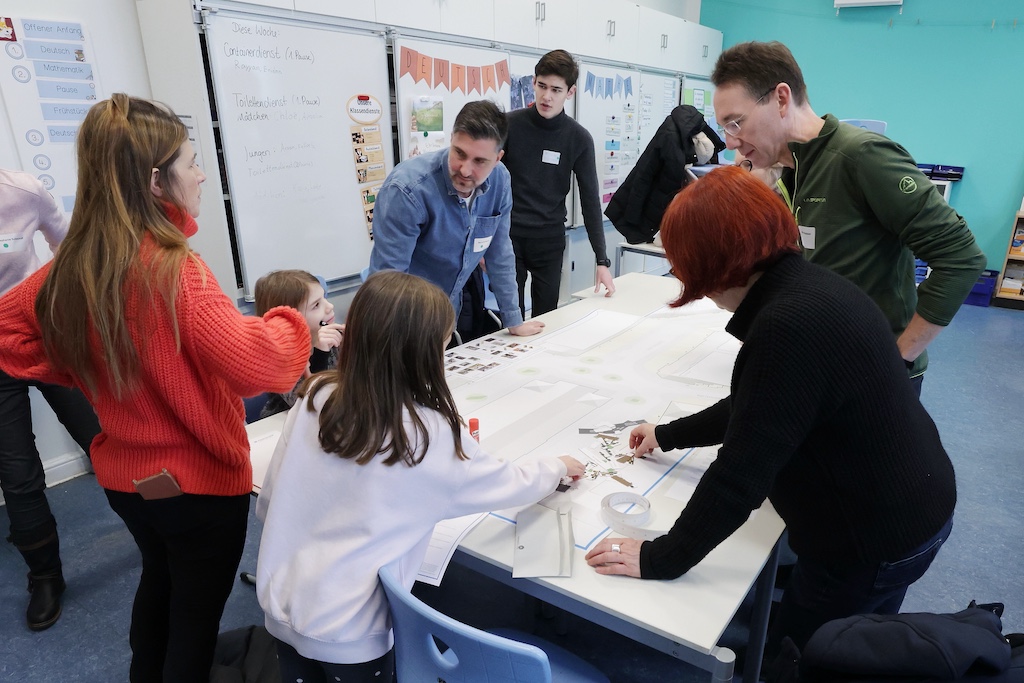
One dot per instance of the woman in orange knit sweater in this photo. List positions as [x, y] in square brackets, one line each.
[134, 318]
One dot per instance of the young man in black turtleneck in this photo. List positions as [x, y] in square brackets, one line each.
[545, 147]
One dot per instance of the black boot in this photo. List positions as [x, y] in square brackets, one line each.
[45, 578]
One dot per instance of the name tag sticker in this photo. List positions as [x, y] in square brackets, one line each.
[807, 237]
[481, 243]
[550, 157]
[12, 243]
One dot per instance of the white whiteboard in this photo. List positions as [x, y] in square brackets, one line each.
[606, 105]
[302, 159]
[659, 95]
[434, 81]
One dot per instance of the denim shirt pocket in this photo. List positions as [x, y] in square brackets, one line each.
[486, 226]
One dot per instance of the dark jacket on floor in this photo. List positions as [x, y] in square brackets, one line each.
[637, 206]
[966, 646]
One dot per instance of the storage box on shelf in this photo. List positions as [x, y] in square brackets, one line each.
[1010, 288]
[981, 293]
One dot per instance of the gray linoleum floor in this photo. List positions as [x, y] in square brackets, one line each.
[974, 390]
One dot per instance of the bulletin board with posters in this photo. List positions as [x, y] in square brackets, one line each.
[49, 80]
[307, 140]
[699, 93]
[434, 81]
[607, 100]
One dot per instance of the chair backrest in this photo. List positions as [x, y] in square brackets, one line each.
[254, 406]
[473, 655]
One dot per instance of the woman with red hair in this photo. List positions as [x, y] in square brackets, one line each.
[822, 420]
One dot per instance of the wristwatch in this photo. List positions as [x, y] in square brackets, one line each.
[604, 262]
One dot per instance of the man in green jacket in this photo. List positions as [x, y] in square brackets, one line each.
[864, 208]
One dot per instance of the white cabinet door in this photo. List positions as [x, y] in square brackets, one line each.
[703, 45]
[332, 8]
[608, 29]
[517, 22]
[471, 18]
[558, 25]
[661, 40]
[422, 14]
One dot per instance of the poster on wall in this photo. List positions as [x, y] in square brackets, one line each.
[607, 107]
[700, 94]
[435, 80]
[49, 80]
[521, 73]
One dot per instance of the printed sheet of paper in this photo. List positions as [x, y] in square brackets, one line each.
[483, 356]
[588, 332]
[261, 451]
[443, 543]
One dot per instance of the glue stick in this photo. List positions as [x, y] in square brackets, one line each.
[474, 428]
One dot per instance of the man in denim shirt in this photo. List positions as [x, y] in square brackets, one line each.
[437, 215]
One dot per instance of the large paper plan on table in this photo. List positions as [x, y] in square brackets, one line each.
[580, 390]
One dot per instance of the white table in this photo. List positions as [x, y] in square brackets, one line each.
[644, 249]
[684, 618]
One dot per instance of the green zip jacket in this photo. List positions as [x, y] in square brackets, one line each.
[865, 211]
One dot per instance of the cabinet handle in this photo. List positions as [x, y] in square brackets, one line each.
[608, 28]
[664, 40]
[613, 28]
[543, 11]
[705, 50]
[536, 11]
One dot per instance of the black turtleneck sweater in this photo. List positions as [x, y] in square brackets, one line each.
[539, 188]
[822, 421]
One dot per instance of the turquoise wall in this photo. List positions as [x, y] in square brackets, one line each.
[948, 82]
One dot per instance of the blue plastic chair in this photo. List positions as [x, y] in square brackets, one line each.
[473, 655]
[491, 301]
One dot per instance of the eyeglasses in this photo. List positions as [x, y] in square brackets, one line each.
[733, 127]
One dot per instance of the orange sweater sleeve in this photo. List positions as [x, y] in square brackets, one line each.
[22, 354]
[250, 354]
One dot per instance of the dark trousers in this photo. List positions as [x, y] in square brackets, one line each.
[295, 667]
[917, 382]
[541, 258]
[817, 593]
[190, 546]
[21, 472]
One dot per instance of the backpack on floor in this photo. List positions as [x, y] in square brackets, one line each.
[245, 655]
[966, 647]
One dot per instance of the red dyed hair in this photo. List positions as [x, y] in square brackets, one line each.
[719, 231]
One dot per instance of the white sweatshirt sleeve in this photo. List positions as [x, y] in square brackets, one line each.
[494, 484]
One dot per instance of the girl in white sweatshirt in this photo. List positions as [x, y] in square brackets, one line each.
[368, 462]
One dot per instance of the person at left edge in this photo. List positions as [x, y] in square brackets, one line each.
[130, 315]
[27, 208]
[439, 214]
[545, 148]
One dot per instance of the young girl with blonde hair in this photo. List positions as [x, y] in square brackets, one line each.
[301, 290]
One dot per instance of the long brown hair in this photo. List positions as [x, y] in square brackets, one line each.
[283, 288]
[120, 142]
[392, 362]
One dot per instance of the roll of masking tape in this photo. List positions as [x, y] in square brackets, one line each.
[631, 522]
